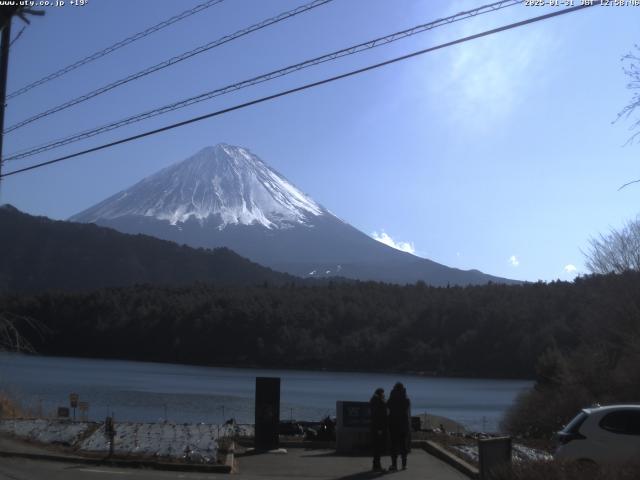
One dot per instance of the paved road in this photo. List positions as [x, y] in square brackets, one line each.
[326, 465]
[23, 469]
[297, 463]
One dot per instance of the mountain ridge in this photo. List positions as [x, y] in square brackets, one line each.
[227, 196]
[44, 254]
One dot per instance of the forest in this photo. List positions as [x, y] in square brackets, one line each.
[480, 331]
[39, 253]
[580, 340]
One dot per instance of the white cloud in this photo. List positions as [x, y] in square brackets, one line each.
[486, 79]
[383, 237]
[570, 268]
[514, 261]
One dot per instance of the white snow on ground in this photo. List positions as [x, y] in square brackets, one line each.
[518, 453]
[188, 441]
[192, 442]
[46, 431]
[468, 451]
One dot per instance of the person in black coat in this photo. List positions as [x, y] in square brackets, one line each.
[399, 425]
[378, 426]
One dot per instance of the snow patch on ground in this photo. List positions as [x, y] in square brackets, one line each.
[196, 442]
[468, 451]
[518, 453]
[190, 442]
[46, 431]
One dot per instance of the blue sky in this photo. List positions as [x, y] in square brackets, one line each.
[498, 154]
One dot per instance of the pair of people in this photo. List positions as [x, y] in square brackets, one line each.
[391, 419]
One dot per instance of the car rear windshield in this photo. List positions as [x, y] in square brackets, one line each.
[574, 425]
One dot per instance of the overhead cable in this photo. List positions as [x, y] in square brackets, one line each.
[15, 39]
[307, 86]
[106, 51]
[265, 77]
[170, 62]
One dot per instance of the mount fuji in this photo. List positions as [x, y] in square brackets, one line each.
[225, 196]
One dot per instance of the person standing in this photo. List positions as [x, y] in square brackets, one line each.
[379, 427]
[399, 425]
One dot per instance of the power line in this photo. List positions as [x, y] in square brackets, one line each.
[171, 61]
[304, 87]
[106, 51]
[265, 77]
[15, 39]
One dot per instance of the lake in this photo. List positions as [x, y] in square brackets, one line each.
[184, 393]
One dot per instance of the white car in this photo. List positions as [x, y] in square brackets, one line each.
[601, 435]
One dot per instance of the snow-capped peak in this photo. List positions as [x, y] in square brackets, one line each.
[225, 182]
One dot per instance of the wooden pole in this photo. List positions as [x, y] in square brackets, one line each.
[4, 65]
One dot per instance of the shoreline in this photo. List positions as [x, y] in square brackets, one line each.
[151, 392]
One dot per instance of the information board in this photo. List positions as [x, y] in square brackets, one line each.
[267, 412]
[353, 426]
[356, 414]
[494, 453]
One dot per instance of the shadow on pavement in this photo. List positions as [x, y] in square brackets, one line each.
[333, 453]
[362, 475]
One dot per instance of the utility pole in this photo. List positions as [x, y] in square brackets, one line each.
[4, 65]
[6, 15]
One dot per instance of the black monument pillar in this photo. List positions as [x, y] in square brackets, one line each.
[267, 412]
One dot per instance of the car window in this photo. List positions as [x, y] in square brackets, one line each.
[624, 421]
[574, 425]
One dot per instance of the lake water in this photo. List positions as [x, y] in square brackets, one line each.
[184, 393]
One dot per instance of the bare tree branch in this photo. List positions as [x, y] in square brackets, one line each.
[617, 252]
[12, 327]
[629, 183]
[631, 68]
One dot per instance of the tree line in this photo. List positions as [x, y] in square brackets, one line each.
[481, 331]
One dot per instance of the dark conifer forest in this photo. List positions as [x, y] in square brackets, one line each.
[481, 331]
[40, 253]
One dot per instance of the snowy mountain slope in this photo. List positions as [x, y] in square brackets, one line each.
[224, 181]
[226, 196]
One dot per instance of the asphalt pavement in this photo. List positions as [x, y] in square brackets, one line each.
[25, 469]
[296, 463]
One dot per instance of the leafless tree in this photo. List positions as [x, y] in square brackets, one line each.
[617, 251]
[631, 68]
[11, 338]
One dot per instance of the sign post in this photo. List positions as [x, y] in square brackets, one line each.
[84, 410]
[73, 402]
[110, 433]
